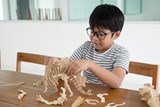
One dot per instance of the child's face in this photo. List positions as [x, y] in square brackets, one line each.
[101, 45]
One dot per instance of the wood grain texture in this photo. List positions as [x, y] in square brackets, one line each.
[9, 95]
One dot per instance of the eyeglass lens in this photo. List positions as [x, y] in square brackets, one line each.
[99, 35]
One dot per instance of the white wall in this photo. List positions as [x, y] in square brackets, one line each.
[62, 38]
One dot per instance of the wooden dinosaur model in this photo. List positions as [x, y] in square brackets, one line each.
[54, 72]
[149, 94]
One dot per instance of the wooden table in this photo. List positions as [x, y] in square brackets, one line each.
[9, 95]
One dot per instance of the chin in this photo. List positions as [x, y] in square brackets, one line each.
[98, 49]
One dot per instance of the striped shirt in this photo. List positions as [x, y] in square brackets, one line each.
[116, 56]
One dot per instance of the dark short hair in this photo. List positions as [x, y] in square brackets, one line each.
[107, 16]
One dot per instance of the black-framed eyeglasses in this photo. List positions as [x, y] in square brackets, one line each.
[100, 35]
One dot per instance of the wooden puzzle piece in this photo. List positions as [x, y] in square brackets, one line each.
[60, 100]
[91, 101]
[115, 105]
[101, 96]
[149, 94]
[22, 94]
[78, 102]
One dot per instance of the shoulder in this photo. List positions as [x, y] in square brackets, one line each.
[87, 45]
[118, 49]
[82, 51]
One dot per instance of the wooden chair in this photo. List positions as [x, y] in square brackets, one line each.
[145, 69]
[31, 58]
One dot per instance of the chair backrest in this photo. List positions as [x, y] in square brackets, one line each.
[145, 69]
[31, 58]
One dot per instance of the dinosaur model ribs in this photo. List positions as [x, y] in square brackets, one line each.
[54, 72]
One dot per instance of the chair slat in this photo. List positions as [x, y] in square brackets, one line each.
[151, 70]
[31, 58]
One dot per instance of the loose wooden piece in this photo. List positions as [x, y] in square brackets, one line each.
[91, 101]
[101, 96]
[115, 105]
[13, 84]
[78, 102]
[22, 94]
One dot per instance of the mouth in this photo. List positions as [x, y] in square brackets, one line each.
[96, 45]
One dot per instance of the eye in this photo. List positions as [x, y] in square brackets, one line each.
[101, 34]
[92, 31]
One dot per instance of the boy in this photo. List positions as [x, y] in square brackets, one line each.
[101, 60]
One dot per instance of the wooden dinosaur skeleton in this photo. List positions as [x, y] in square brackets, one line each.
[149, 94]
[54, 72]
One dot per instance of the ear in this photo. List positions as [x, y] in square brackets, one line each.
[116, 35]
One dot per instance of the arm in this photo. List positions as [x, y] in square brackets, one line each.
[112, 79]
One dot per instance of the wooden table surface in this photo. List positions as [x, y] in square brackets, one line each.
[9, 95]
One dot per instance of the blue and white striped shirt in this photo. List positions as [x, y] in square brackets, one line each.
[116, 56]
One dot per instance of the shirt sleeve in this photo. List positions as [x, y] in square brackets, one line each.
[122, 59]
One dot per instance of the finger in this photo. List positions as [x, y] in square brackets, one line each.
[50, 61]
[55, 61]
[71, 68]
[68, 67]
[74, 70]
